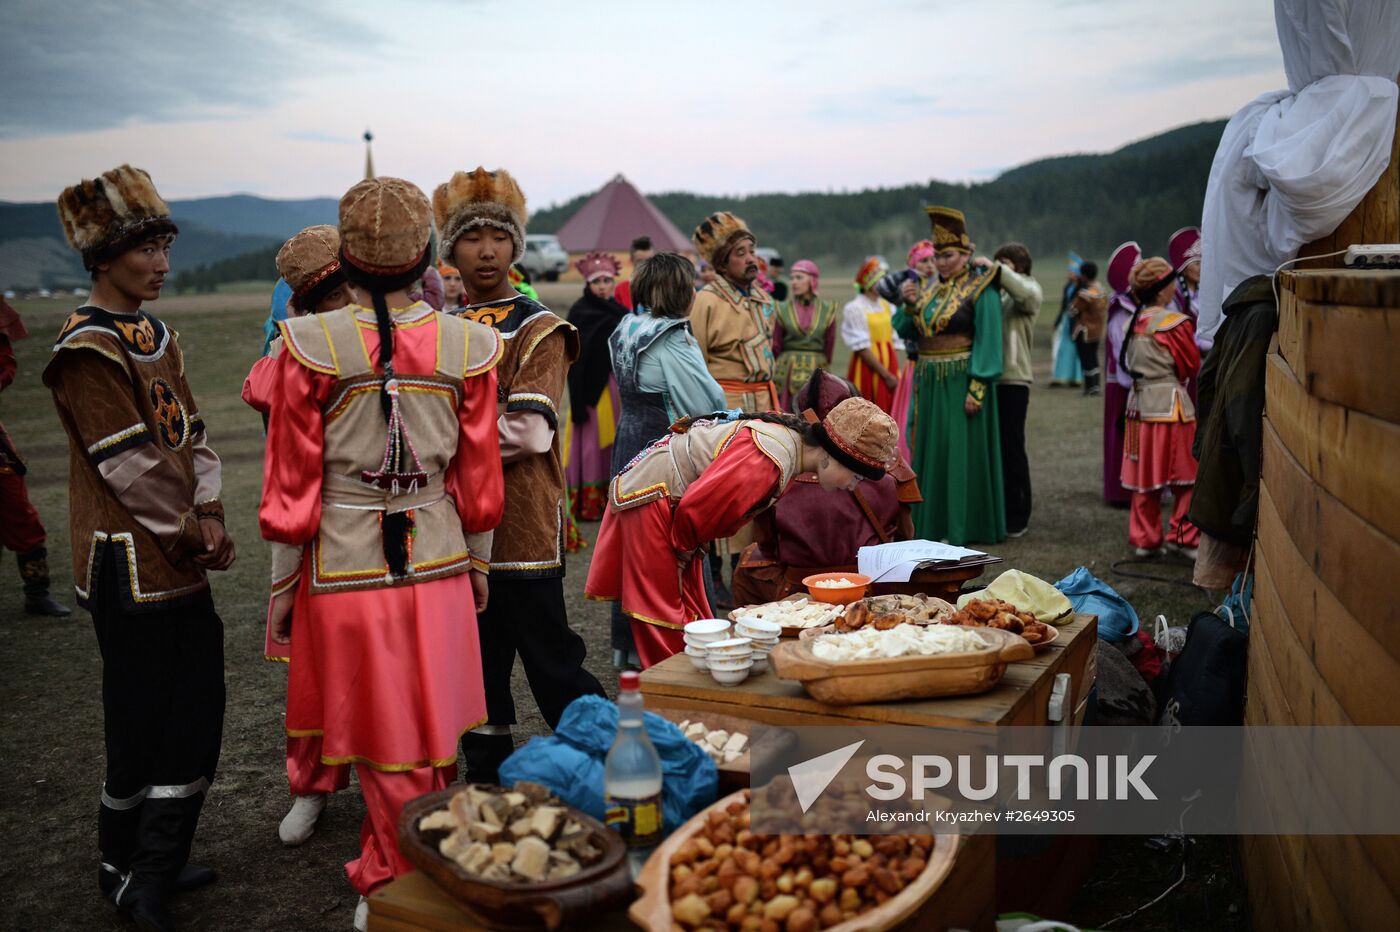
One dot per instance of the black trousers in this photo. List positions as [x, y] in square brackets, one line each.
[1012, 402]
[527, 617]
[163, 717]
[1089, 360]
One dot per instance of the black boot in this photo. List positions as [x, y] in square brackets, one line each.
[484, 755]
[1091, 383]
[34, 571]
[191, 877]
[162, 852]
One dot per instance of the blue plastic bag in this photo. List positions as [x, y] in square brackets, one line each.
[570, 762]
[1092, 596]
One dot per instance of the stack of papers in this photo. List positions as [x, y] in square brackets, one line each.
[896, 562]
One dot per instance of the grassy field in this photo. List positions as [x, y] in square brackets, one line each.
[50, 675]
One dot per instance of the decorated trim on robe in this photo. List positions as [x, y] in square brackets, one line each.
[305, 346]
[143, 336]
[951, 297]
[543, 568]
[123, 440]
[416, 384]
[498, 350]
[534, 401]
[383, 768]
[133, 574]
[1161, 323]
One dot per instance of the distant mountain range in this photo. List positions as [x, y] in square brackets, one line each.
[1088, 203]
[33, 253]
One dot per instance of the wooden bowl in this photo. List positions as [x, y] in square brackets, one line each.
[887, 680]
[652, 910]
[546, 905]
[845, 595]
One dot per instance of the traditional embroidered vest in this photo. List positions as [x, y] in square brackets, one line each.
[1157, 393]
[348, 550]
[668, 467]
[153, 368]
[803, 347]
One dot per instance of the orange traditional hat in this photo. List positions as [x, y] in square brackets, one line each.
[1149, 273]
[870, 272]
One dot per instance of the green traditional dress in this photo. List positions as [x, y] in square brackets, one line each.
[800, 347]
[958, 458]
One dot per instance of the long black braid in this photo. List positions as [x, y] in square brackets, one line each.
[396, 526]
[378, 286]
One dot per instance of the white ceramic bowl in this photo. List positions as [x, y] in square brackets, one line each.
[728, 663]
[697, 657]
[708, 629]
[730, 647]
[698, 642]
[757, 628]
[760, 664]
[730, 677]
[765, 643]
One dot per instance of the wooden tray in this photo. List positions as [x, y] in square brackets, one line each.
[546, 905]
[860, 681]
[652, 910]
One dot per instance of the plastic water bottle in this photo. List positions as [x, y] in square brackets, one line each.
[632, 777]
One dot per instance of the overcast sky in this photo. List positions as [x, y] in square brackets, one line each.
[270, 98]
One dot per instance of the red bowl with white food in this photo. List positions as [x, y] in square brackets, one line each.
[837, 588]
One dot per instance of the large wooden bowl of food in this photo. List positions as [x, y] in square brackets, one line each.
[713, 873]
[516, 859]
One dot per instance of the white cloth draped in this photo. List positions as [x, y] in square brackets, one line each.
[1292, 164]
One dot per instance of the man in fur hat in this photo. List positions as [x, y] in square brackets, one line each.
[733, 323]
[733, 317]
[481, 220]
[147, 526]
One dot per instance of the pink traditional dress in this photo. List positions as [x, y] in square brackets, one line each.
[373, 524]
[1160, 426]
[676, 496]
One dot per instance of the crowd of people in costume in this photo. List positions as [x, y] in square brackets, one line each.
[433, 433]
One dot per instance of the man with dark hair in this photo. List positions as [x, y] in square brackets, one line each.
[1088, 311]
[147, 525]
[481, 221]
[641, 252]
[1021, 297]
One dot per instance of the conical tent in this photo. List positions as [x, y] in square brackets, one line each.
[612, 218]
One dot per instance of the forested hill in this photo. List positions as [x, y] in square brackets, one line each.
[1088, 203]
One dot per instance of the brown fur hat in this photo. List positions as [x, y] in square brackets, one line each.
[385, 224]
[479, 198]
[310, 262]
[104, 216]
[862, 437]
[717, 234]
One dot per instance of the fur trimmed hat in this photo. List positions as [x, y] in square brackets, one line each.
[479, 198]
[717, 234]
[104, 216]
[385, 224]
[310, 262]
[861, 437]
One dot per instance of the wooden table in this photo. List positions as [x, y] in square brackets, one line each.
[414, 902]
[1022, 697]
[944, 582]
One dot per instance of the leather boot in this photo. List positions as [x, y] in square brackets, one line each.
[34, 571]
[484, 754]
[162, 851]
